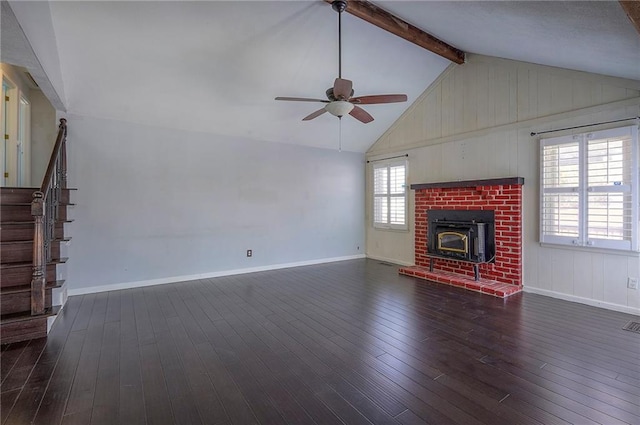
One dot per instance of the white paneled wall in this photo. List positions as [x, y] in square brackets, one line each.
[475, 123]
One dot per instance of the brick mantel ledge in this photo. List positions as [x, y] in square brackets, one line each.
[519, 181]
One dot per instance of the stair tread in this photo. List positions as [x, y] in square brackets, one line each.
[16, 223]
[28, 204]
[30, 264]
[18, 317]
[30, 241]
[33, 189]
[25, 288]
[13, 223]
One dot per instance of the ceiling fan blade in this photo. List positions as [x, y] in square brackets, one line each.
[314, 115]
[301, 99]
[379, 98]
[342, 89]
[360, 114]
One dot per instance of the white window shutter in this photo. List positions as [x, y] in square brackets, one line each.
[390, 195]
[589, 189]
[560, 182]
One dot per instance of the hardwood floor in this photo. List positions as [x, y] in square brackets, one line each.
[350, 342]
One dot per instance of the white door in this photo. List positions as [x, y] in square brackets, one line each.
[23, 142]
[4, 132]
[15, 132]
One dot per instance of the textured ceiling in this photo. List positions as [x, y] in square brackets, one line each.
[591, 36]
[215, 67]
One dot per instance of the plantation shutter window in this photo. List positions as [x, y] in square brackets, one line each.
[560, 183]
[390, 195]
[589, 185]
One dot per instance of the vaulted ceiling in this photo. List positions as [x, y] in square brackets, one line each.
[216, 66]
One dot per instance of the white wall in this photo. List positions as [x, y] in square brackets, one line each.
[475, 123]
[155, 205]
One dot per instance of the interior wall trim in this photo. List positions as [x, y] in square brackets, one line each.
[175, 279]
[581, 300]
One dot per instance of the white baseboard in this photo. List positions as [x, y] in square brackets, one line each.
[59, 295]
[390, 260]
[51, 320]
[58, 299]
[174, 279]
[581, 300]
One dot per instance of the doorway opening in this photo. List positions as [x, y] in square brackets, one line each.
[27, 129]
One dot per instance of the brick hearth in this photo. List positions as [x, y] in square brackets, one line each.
[504, 197]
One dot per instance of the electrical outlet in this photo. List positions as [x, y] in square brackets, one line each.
[632, 282]
[249, 253]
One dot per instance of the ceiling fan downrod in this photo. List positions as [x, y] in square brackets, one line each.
[339, 6]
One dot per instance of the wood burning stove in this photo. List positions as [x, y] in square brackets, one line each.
[464, 241]
[462, 235]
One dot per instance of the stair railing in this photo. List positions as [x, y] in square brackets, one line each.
[44, 209]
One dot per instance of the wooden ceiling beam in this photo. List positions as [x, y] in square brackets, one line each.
[632, 9]
[389, 22]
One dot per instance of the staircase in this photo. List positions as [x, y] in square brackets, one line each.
[31, 236]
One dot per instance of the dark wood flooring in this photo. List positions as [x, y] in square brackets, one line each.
[350, 342]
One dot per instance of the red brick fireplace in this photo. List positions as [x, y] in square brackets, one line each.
[499, 276]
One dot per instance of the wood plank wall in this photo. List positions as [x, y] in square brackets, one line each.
[474, 122]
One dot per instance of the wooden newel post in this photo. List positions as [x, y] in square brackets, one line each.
[38, 279]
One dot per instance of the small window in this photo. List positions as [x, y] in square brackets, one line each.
[589, 189]
[390, 195]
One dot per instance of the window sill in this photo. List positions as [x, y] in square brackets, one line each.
[391, 229]
[590, 249]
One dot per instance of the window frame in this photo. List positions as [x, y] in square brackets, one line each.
[583, 190]
[388, 164]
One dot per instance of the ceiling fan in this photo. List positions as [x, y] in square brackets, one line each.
[340, 100]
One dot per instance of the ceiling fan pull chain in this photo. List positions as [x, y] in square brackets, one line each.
[340, 134]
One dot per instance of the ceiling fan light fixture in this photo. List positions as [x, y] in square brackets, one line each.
[339, 107]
